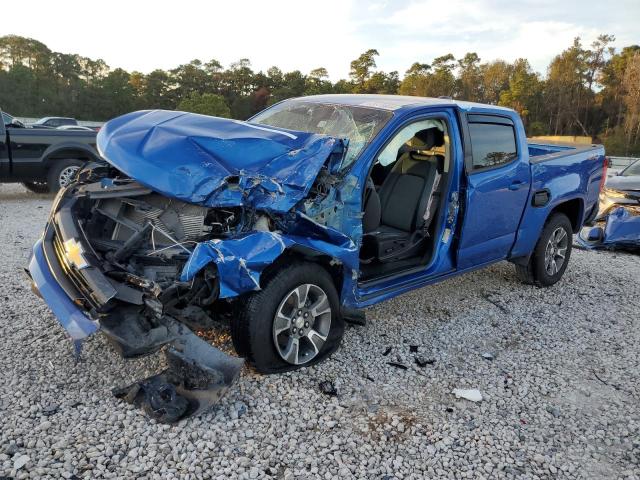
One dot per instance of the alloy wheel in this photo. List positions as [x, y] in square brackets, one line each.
[301, 324]
[556, 250]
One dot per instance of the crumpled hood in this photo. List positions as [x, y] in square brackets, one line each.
[216, 162]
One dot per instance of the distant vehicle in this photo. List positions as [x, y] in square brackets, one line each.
[286, 223]
[621, 190]
[43, 160]
[11, 121]
[53, 122]
[79, 128]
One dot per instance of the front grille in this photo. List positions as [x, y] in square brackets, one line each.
[70, 271]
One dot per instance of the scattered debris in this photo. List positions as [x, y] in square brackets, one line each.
[413, 348]
[11, 450]
[328, 388]
[555, 411]
[387, 351]
[472, 395]
[424, 361]
[20, 461]
[353, 316]
[197, 376]
[50, 409]
[398, 365]
[488, 356]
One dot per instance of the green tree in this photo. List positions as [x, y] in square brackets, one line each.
[469, 85]
[206, 104]
[317, 82]
[523, 93]
[362, 69]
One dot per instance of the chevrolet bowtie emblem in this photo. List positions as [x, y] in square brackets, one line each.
[74, 253]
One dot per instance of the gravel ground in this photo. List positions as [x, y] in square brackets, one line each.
[561, 394]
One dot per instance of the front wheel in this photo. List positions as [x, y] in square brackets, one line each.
[551, 254]
[293, 322]
[62, 173]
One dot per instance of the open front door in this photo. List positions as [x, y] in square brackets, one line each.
[498, 182]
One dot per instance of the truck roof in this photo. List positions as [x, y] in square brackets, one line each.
[396, 102]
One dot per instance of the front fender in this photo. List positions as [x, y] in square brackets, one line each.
[241, 261]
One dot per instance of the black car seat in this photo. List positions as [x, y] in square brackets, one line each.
[406, 200]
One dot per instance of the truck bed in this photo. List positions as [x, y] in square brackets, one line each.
[541, 152]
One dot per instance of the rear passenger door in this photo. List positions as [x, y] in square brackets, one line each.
[498, 181]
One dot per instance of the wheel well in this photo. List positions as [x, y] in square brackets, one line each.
[293, 255]
[70, 153]
[573, 209]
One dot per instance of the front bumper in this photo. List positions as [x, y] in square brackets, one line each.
[69, 315]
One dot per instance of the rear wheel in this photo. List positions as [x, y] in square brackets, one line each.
[551, 254]
[293, 322]
[62, 173]
[37, 187]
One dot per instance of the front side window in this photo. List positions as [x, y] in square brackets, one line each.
[356, 124]
[492, 144]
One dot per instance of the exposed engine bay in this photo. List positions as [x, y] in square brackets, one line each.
[125, 271]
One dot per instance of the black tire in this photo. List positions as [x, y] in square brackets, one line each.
[37, 187]
[252, 327]
[56, 170]
[535, 272]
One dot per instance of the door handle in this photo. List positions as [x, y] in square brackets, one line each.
[516, 185]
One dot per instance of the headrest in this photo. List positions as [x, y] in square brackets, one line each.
[431, 137]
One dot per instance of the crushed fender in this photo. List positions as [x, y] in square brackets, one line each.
[620, 230]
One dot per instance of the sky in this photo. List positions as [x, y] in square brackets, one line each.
[144, 35]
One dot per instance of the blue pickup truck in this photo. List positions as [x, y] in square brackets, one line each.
[288, 224]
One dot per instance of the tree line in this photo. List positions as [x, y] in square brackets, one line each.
[587, 91]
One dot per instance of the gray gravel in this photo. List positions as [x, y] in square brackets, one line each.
[558, 370]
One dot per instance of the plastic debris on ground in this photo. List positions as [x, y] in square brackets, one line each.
[472, 394]
[328, 388]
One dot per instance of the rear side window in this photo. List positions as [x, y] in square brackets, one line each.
[492, 144]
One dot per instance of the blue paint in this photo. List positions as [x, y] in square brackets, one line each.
[621, 230]
[216, 162]
[74, 321]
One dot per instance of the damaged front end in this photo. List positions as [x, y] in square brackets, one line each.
[618, 230]
[164, 240]
[117, 249]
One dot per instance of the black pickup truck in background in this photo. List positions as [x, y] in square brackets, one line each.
[43, 160]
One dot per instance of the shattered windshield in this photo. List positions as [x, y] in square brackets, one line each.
[356, 124]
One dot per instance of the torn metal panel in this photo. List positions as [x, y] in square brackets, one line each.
[217, 162]
[240, 261]
[621, 231]
[197, 377]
